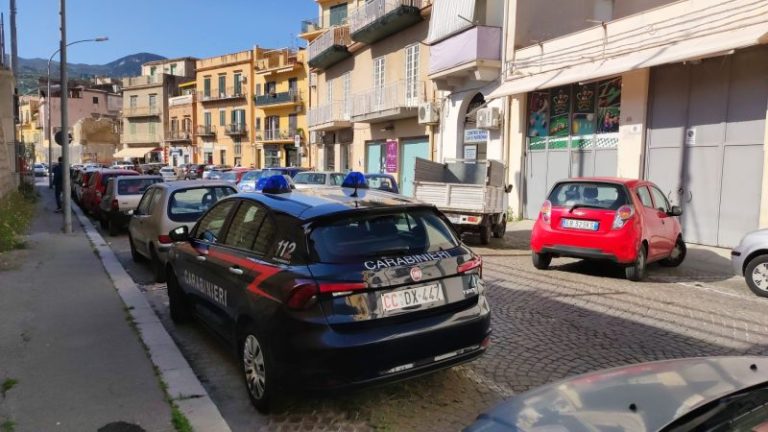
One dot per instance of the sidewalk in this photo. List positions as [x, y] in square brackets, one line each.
[66, 339]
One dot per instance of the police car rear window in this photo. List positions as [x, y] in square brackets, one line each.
[187, 205]
[362, 236]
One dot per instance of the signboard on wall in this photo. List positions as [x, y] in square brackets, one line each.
[392, 159]
[470, 152]
[475, 136]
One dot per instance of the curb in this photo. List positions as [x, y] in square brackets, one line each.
[183, 387]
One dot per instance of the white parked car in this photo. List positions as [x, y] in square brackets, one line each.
[310, 179]
[750, 259]
[40, 170]
[168, 173]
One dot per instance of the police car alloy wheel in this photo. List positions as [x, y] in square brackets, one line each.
[258, 380]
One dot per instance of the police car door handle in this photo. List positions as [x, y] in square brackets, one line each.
[236, 270]
[201, 258]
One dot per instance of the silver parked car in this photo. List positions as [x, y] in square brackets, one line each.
[168, 173]
[750, 259]
[249, 180]
[310, 179]
[166, 206]
[121, 197]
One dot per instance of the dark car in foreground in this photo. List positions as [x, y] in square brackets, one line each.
[697, 394]
[330, 288]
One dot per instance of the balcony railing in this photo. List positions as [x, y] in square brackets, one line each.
[144, 80]
[276, 135]
[329, 114]
[236, 129]
[142, 138]
[390, 101]
[206, 130]
[289, 97]
[222, 94]
[142, 111]
[330, 47]
[178, 135]
[377, 19]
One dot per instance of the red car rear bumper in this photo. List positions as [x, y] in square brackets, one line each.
[619, 246]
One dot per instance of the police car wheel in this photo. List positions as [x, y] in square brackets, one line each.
[178, 305]
[158, 270]
[257, 370]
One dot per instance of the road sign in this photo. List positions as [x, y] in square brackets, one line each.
[297, 141]
[58, 138]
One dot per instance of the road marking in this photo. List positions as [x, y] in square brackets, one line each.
[704, 287]
[503, 390]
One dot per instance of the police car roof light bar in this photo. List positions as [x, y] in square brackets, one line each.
[355, 180]
[276, 184]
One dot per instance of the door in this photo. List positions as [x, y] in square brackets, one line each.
[140, 219]
[668, 228]
[411, 149]
[653, 227]
[373, 158]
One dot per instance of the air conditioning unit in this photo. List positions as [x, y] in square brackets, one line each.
[488, 118]
[429, 113]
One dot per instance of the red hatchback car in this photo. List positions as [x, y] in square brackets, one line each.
[629, 222]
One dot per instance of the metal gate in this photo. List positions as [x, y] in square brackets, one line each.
[705, 142]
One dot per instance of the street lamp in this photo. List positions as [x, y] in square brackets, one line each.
[48, 105]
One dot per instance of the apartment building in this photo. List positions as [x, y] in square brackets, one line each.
[225, 109]
[145, 108]
[182, 123]
[29, 129]
[370, 68]
[280, 100]
[674, 92]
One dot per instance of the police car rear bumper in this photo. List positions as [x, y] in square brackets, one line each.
[334, 358]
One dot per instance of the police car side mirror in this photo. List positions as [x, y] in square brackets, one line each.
[179, 234]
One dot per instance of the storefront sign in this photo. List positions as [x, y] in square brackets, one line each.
[470, 152]
[475, 136]
[392, 156]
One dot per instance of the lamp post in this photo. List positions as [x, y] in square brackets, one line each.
[48, 105]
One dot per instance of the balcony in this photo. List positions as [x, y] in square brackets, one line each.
[391, 102]
[145, 111]
[276, 135]
[330, 117]
[236, 129]
[330, 48]
[474, 54]
[142, 81]
[229, 93]
[140, 138]
[289, 98]
[206, 131]
[178, 136]
[377, 19]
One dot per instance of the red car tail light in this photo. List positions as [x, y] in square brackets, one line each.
[164, 239]
[546, 211]
[304, 292]
[473, 263]
[623, 214]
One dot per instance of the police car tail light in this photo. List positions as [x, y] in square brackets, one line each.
[623, 214]
[472, 264]
[304, 292]
[164, 239]
[338, 287]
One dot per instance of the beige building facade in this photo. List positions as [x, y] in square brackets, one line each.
[369, 79]
[224, 106]
[30, 131]
[669, 91]
[180, 137]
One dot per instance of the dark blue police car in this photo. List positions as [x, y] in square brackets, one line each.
[330, 288]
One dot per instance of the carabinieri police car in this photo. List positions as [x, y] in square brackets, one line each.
[331, 287]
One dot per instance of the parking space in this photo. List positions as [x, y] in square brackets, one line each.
[547, 325]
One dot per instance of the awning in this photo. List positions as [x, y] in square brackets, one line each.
[132, 152]
[712, 42]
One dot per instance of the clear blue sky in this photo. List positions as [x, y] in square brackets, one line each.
[171, 28]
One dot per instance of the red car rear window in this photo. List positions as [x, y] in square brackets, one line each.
[596, 195]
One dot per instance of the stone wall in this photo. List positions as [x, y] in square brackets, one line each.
[8, 175]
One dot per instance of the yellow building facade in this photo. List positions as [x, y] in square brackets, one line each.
[281, 90]
[225, 109]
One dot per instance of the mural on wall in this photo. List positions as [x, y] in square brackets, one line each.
[575, 114]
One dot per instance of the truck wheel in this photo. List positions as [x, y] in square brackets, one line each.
[500, 229]
[485, 234]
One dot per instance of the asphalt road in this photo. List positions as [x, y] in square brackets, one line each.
[547, 325]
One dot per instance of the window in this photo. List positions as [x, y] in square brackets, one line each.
[364, 236]
[337, 179]
[660, 200]
[271, 156]
[238, 83]
[151, 128]
[222, 157]
[258, 123]
[132, 128]
[156, 198]
[173, 69]
[222, 85]
[412, 75]
[207, 121]
[378, 84]
[152, 70]
[645, 196]
[293, 85]
[211, 224]
[594, 195]
[207, 87]
[129, 186]
[258, 89]
[222, 117]
[134, 101]
[309, 178]
[292, 124]
[329, 91]
[187, 205]
[95, 100]
[152, 101]
[244, 229]
[338, 14]
[270, 88]
[143, 207]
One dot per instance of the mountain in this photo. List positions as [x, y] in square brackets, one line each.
[32, 69]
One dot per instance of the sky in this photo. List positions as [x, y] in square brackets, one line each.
[170, 28]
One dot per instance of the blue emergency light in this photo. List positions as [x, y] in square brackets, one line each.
[276, 184]
[352, 184]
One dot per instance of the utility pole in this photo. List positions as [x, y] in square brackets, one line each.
[15, 70]
[64, 98]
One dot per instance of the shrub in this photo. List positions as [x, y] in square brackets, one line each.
[16, 211]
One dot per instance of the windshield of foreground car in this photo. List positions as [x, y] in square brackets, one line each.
[360, 236]
[591, 195]
[743, 411]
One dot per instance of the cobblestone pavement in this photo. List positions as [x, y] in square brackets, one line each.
[547, 325]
